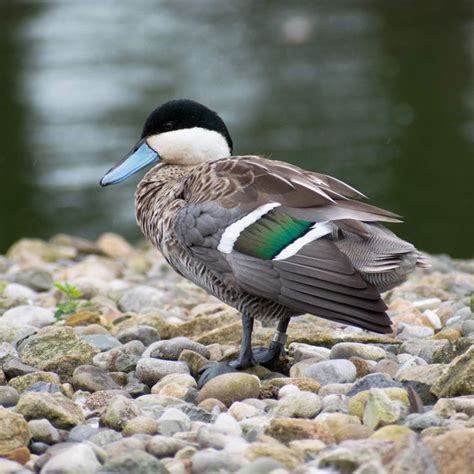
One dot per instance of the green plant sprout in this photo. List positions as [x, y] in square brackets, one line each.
[70, 305]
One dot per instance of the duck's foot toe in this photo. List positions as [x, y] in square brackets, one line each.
[268, 355]
[214, 369]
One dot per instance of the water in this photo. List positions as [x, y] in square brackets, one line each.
[379, 94]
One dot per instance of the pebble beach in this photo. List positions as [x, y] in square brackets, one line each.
[101, 345]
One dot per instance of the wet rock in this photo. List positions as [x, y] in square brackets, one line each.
[146, 334]
[458, 378]
[119, 411]
[229, 388]
[93, 379]
[346, 350]
[43, 431]
[14, 431]
[141, 299]
[57, 349]
[34, 316]
[373, 381]
[149, 370]
[331, 371]
[288, 429]
[59, 410]
[72, 459]
[171, 349]
[137, 462]
[8, 396]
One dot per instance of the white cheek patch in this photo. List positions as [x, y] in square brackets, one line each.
[231, 233]
[189, 146]
[316, 232]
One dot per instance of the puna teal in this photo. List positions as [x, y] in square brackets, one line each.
[266, 237]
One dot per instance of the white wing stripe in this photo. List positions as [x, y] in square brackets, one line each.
[231, 233]
[318, 230]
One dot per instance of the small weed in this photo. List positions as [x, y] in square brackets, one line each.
[70, 305]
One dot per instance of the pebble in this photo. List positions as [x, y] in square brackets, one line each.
[232, 387]
[173, 421]
[43, 431]
[7, 352]
[145, 334]
[372, 381]
[72, 459]
[14, 431]
[163, 447]
[331, 371]
[298, 404]
[134, 462]
[8, 396]
[119, 411]
[150, 371]
[93, 379]
[172, 348]
[59, 410]
[119, 390]
[34, 316]
[141, 299]
[346, 350]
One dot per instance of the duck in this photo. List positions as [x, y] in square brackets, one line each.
[266, 237]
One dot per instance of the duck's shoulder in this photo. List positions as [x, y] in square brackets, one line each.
[251, 178]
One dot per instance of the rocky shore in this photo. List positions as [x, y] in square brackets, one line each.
[101, 344]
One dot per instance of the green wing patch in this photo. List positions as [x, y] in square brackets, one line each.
[269, 235]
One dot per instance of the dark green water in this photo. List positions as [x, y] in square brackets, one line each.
[377, 93]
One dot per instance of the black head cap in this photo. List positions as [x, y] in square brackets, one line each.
[184, 113]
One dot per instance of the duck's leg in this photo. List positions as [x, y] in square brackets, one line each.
[246, 357]
[245, 360]
[263, 355]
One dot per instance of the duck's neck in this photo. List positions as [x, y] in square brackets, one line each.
[157, 198]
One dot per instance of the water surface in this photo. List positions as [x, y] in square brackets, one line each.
[379, 94]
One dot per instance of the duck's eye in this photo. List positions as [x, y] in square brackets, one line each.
[167, 126]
